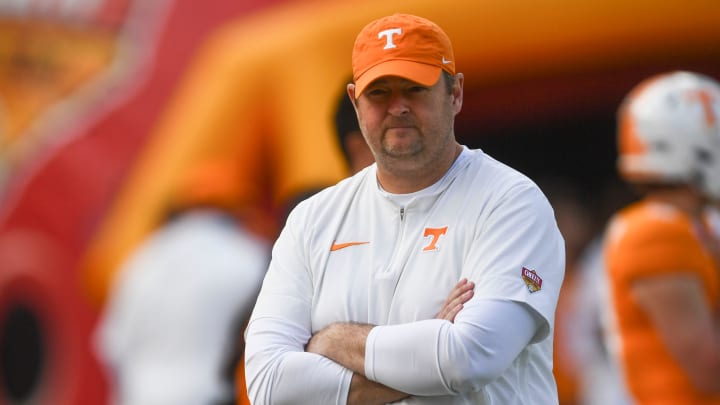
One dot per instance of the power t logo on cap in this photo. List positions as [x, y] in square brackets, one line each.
[401, 45]
[388, 34]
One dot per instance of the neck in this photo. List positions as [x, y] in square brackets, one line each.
[685, 199]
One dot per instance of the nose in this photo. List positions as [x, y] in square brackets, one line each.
[398, 104]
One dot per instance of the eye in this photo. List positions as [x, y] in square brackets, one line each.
[376, 92]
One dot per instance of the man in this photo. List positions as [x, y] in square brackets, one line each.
[170, 331]
[345, 314]
[662, 257]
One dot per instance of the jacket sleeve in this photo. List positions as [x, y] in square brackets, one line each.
[277, 368]
[447, 358]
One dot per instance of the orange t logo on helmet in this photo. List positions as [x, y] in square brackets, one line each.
[706, 99]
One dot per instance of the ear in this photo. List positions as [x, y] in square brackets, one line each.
[457, 92]
[351, 93]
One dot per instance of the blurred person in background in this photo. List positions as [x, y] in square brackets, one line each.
[598, 378]
[171, 332]
[576, 225]
[661, 254]
[355, 151]
[581, 365]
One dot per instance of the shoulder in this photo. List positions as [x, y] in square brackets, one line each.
[502, 200]
[495, 174]
[649, 238]
[502, 183]
[329, 201]
[644, 222]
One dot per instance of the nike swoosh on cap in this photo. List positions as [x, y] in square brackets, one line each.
[338, 246]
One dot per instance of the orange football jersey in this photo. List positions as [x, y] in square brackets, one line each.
[646, 240]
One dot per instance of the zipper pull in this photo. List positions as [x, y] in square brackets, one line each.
[402, 213]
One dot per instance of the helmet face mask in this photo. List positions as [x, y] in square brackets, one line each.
[669, 132]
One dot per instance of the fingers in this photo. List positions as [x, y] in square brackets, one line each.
[450, 314]
[460, 294]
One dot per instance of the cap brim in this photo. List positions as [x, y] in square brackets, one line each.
[421, 73]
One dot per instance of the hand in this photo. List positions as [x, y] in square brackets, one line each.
[366, 392]
[343, 343]
[460, 294]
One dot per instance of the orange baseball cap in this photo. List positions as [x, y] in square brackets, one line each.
[401, 45]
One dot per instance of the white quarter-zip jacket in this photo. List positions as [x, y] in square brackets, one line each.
[355, 253]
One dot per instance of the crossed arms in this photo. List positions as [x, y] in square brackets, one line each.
[344, 343]
[449, 359]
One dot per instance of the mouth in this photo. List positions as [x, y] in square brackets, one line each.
[399, 122]
[400, 126]
[400, 130]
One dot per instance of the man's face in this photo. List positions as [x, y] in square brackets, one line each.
[407, 124]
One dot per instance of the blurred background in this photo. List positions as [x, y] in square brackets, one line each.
[106, 105]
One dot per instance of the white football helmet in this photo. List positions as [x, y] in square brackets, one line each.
[669, 132]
